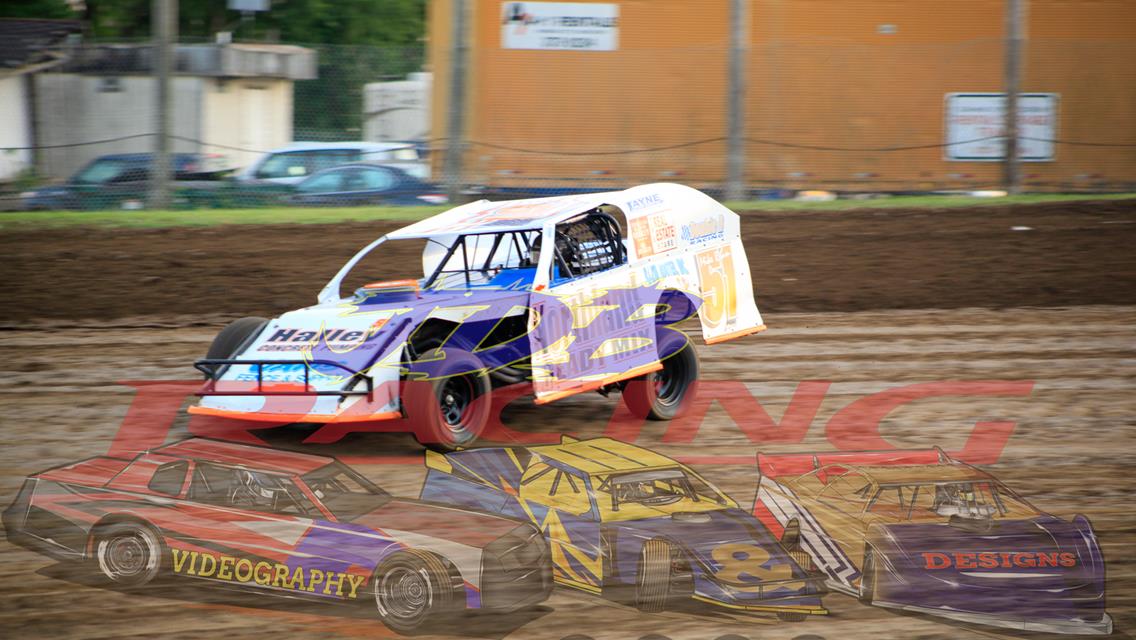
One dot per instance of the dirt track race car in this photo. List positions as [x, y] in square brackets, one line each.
[919, 531]
[546, 292]
[626, 522]
[287, 524]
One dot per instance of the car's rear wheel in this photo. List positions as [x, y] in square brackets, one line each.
[128, 554]
[412, 588]
[447, 397]
[663, 577]
[662, 394]
[791, 541]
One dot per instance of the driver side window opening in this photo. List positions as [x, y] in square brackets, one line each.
[246, 489]
[169, 478]
[586, 244]
[479, 258]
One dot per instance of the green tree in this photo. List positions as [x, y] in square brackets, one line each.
[358, 41]
[47, 9]
[370, 22]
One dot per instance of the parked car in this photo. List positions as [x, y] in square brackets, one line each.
[294, 163]
[122, 181]
[279, 523]
[361, 184]
[919, 531]
[621, 518]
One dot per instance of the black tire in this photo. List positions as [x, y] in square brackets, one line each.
[450, 407]
[658, 583]
[412, 588]
[128, 554]
[868, 577]
[663, 394]
[230, 339]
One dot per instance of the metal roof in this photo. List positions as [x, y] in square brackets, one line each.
[259, 458]
[484, 216]
[600, 456]
[921, 473]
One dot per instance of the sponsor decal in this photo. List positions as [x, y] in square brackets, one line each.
[266, 574]
[294, 339]
[935, 560]
[655, 272]
[652, 200]
[707, 230]
[274, 373]
[653, 234]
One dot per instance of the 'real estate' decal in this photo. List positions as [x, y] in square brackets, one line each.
[266, 574]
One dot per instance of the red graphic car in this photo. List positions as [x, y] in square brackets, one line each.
[284, 523]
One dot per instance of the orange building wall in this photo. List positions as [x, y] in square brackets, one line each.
[819, 74]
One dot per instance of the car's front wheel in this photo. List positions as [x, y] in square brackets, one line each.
[128, 554]
[663, 577]
[230, 339]
[412, 588]
[447, 398]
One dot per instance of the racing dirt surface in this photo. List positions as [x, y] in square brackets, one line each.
[1071, 451]
[858, 303]
[1061, 254]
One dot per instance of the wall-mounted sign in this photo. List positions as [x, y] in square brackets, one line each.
[976, 122]
[571, 26]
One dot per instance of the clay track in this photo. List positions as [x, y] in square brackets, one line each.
[1070, 452]
[1072, 253]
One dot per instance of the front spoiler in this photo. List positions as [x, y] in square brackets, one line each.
[315, 418]
[765, 608]
[1101, 627]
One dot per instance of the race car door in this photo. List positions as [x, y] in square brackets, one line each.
[244, 514]
[587, 330]
[562, 505]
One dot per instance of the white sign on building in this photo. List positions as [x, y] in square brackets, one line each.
[976, 122]
[570, 26]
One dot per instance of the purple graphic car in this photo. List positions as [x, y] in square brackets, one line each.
[918, 531]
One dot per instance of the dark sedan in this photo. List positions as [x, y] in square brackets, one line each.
[118, 181]
[364, 184]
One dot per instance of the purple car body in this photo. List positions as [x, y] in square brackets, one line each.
[918, 531]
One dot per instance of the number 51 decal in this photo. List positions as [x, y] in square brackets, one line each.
[719, 286]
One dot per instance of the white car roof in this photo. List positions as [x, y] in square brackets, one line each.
[484, 216]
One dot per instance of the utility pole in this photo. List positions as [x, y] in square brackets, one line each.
[735, 109]
[455, 109]
[1011, 169]
[164, 27]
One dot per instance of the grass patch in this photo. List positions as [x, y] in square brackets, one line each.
[31, 220]
[22, 220]
[915, 202]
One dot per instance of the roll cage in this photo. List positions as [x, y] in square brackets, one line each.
[587, 243]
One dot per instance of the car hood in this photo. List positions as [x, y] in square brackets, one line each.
[712, 537]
